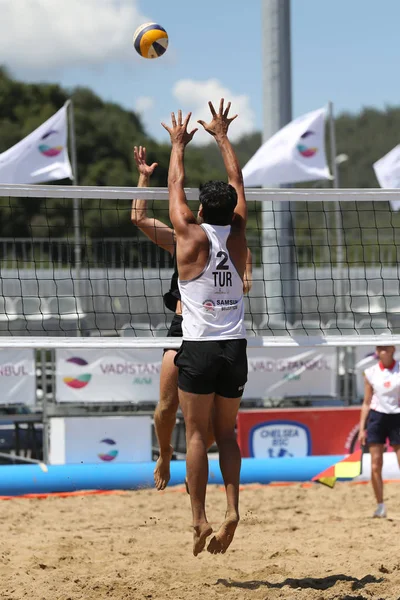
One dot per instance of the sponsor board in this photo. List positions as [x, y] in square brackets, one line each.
[272, 433]
[17, 376]
[279, 439]
[108, 375]
[88, 440]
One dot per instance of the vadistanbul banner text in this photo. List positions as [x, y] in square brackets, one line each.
[134, 375]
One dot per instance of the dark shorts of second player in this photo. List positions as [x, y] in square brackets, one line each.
[382, 427]
[213, 367]
[175, 329]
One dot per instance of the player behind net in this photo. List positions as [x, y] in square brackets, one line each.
[211, 256]
[163, 236]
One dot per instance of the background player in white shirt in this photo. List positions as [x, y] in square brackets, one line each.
[380, 416]
[212, 360]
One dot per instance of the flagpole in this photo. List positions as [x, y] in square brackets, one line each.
[76, 204]
[338, 213]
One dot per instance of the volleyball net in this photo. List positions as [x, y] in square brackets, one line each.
[324, 265]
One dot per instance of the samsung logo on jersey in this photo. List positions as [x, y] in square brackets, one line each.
[227, 302]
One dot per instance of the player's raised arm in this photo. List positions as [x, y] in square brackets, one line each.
[155, 230]
[179, 212]
[218, 128]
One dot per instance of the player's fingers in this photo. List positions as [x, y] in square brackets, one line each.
[173, 119]
[153, 166]
[193, 132]
[203, 123]
[166, 127]
[179, 117]
[214, 114]
[227, 109]
[187, 119]
[221, 107]
[232, 118]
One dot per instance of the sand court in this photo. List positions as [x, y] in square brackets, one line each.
[308, 543]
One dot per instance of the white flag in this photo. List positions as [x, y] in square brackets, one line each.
[41, 156]
[387, 171]
[296, 153]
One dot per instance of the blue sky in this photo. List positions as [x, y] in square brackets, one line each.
[346, 51]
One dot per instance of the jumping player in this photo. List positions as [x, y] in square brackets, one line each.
[167, 407]
[163, 236]
[212, 360]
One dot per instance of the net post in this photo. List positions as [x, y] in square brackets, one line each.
[277, 235]
[76, 206]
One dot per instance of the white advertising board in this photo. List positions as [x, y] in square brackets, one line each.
[108, 375]
[280, 372]
[17, 376]
[88, 440]
[134, 375]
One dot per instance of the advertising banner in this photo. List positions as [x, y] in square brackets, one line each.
[17, 376]
[280, 372]
[280, 433]
[107, 375]
[77, 440]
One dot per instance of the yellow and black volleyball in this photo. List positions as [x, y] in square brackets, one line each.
[150, 40]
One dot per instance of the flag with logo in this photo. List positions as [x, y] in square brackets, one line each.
[387, 171]
[295, 153]
[41, 156]
[348, 468]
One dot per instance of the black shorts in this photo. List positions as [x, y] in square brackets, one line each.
[213, 366]
[382, 427]
[175, 329]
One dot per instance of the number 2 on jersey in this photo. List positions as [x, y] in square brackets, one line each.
[222, 279]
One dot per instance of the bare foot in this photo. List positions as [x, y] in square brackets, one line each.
[200, 535]
[161, 472]
[221, 541]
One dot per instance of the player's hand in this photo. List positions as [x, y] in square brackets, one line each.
[362, 437]
[220, 122]
[178, 131]
[139, 154]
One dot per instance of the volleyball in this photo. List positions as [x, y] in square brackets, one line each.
[150, 40]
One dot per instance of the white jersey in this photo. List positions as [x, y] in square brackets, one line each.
[212, 302]
[386, 386]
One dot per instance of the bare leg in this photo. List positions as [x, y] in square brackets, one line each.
[196, 411]
[210, 441]
[397, 450]
[376, 451]
[225, 413]
[165, 417]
